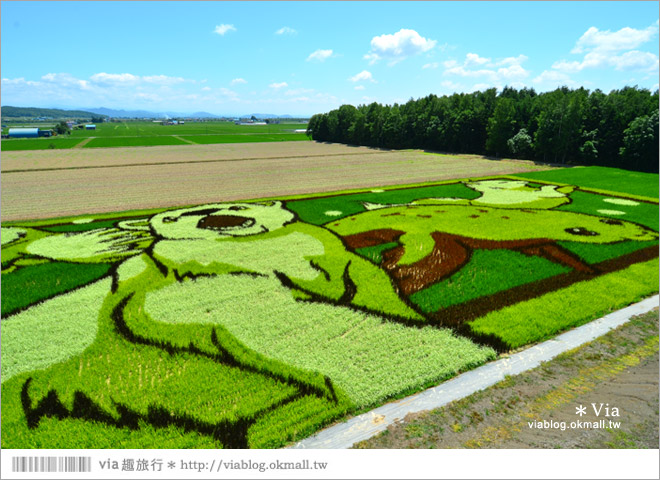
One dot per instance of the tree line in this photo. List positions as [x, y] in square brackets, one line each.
[565, 126]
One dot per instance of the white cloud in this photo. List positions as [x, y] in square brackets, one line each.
[285, 31]
[130, 79]
[359, 87]
[632, 60]
[449, 84]
[635, 60]
[320, 55]
[510, 69]
[398, 46]
[364, 75]
[474, 59]
[480, 87]
[157, 93]
[430, 65]
[163, 80]
[612, 49]
[224, 28]
[372, 57]
[553, 79]
[228, 93]
[17, 81]
[511, 60]
[65, 79]
[114, 78]
[238, 81]
[298, 91]
[625, 39]
[513, 72]
[278, 85]
[151, 97]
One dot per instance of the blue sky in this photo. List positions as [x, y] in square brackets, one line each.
[302, 58]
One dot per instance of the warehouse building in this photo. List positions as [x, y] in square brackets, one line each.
[90, 127]
[23, 132]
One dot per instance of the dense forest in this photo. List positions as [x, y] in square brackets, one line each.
[565, 126]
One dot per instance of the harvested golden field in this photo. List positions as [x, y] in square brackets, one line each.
[45, 184]
[82, 158]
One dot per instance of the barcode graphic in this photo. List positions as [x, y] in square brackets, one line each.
[51, 464]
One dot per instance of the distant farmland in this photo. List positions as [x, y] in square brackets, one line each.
[135, 134]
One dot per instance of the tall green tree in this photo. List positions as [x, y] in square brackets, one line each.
[640, 149]
[501, 127]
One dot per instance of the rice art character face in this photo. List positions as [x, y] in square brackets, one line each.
[221, 220]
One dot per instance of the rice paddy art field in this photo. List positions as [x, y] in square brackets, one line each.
[253, 324]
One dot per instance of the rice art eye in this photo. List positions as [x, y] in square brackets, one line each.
[581, 231]
[611, 221]
[169, 219]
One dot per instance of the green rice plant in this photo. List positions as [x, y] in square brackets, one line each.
[255, 324]
[544, 316]
[138, 371]
[294, 421]
[375, 253]
[599, 253]
[91, 246]
[80, 433]
[487, 272]
[133, 142]
[247, 138]
[643, 213]
[39, 144]
[36, 283]
[61, 334]
[367, 358]
[85, 225]
[315, 210]
[604, 178]
[486, 223]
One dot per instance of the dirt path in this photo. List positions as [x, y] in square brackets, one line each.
[184, 140]
[84, 142]
[538, 409]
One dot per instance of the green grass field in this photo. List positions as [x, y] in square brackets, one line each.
[129, 134]
[39, 143]
[301, 309]
[247, 138]
[132, 142]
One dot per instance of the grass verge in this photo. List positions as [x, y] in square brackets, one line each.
[602, 370]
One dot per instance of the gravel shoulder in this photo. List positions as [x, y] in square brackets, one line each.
[618, 370]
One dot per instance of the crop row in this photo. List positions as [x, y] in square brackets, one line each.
[179, 332]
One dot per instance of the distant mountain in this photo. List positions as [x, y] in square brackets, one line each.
[53, 113]
[114, 113]
[148, 114]
[202, 115]
[125, 113]
[262, 116]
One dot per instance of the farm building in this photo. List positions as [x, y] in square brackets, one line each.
[90, 127]
[45, 133]
[23, 132]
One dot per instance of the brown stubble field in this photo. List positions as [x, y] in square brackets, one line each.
[53, 183]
